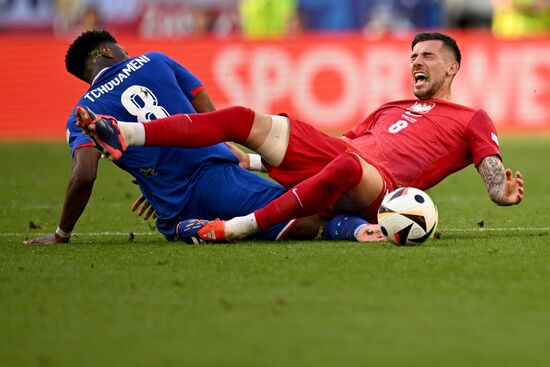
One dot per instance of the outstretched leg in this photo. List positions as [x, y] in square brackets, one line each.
[266, 134]
[198, 130]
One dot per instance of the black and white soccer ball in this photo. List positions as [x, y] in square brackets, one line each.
[407, 216]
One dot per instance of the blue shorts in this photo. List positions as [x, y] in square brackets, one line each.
[225, 190]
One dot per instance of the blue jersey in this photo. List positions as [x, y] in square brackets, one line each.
[153, 86]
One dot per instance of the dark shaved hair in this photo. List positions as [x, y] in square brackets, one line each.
[447, 40]
[78, 52]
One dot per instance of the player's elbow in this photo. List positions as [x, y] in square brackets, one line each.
[84, 177]
[85, 166]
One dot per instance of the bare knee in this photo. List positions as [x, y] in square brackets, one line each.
[260, 129]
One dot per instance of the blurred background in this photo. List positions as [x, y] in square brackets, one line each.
[330, 62]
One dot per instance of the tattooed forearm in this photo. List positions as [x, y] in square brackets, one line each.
[492, 171]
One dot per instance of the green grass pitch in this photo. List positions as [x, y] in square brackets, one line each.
[474, 297]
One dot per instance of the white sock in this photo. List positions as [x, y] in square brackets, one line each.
[240, 227]
[133, 133]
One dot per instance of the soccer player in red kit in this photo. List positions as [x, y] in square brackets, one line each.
[404, 143]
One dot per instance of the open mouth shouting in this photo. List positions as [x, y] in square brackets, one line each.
[421, 78]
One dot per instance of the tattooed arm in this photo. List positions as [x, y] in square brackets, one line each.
[502, 187]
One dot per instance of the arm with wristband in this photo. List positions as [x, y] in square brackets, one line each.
[79, 190]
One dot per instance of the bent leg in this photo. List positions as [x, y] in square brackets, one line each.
[346, 178]
[364, 194]
[346, 173]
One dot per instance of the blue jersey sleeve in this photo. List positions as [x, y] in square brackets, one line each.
[75, 137]
[187, 81]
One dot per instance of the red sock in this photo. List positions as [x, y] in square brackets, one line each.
[201, 129]
[315, 194]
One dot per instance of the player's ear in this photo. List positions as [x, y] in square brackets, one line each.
[452, 68]
[106, 51]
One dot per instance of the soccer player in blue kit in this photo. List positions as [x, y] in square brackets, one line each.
[179, 183]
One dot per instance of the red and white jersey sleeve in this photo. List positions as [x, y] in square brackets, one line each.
[482, 137]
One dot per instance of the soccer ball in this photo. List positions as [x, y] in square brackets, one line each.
[407, 216]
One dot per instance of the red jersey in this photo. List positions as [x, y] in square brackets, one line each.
[418, 143]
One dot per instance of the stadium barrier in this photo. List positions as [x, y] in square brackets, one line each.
[332, 81]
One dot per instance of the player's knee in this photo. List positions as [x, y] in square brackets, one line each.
[240, 122]
[240, 110]
[240, 114]
[344, 172]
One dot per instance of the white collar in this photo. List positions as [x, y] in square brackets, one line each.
[98, 74]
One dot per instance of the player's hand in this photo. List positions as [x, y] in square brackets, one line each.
[143, 208]
[513, 188]
[370, 233]
[47, 240]
[244, 158]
